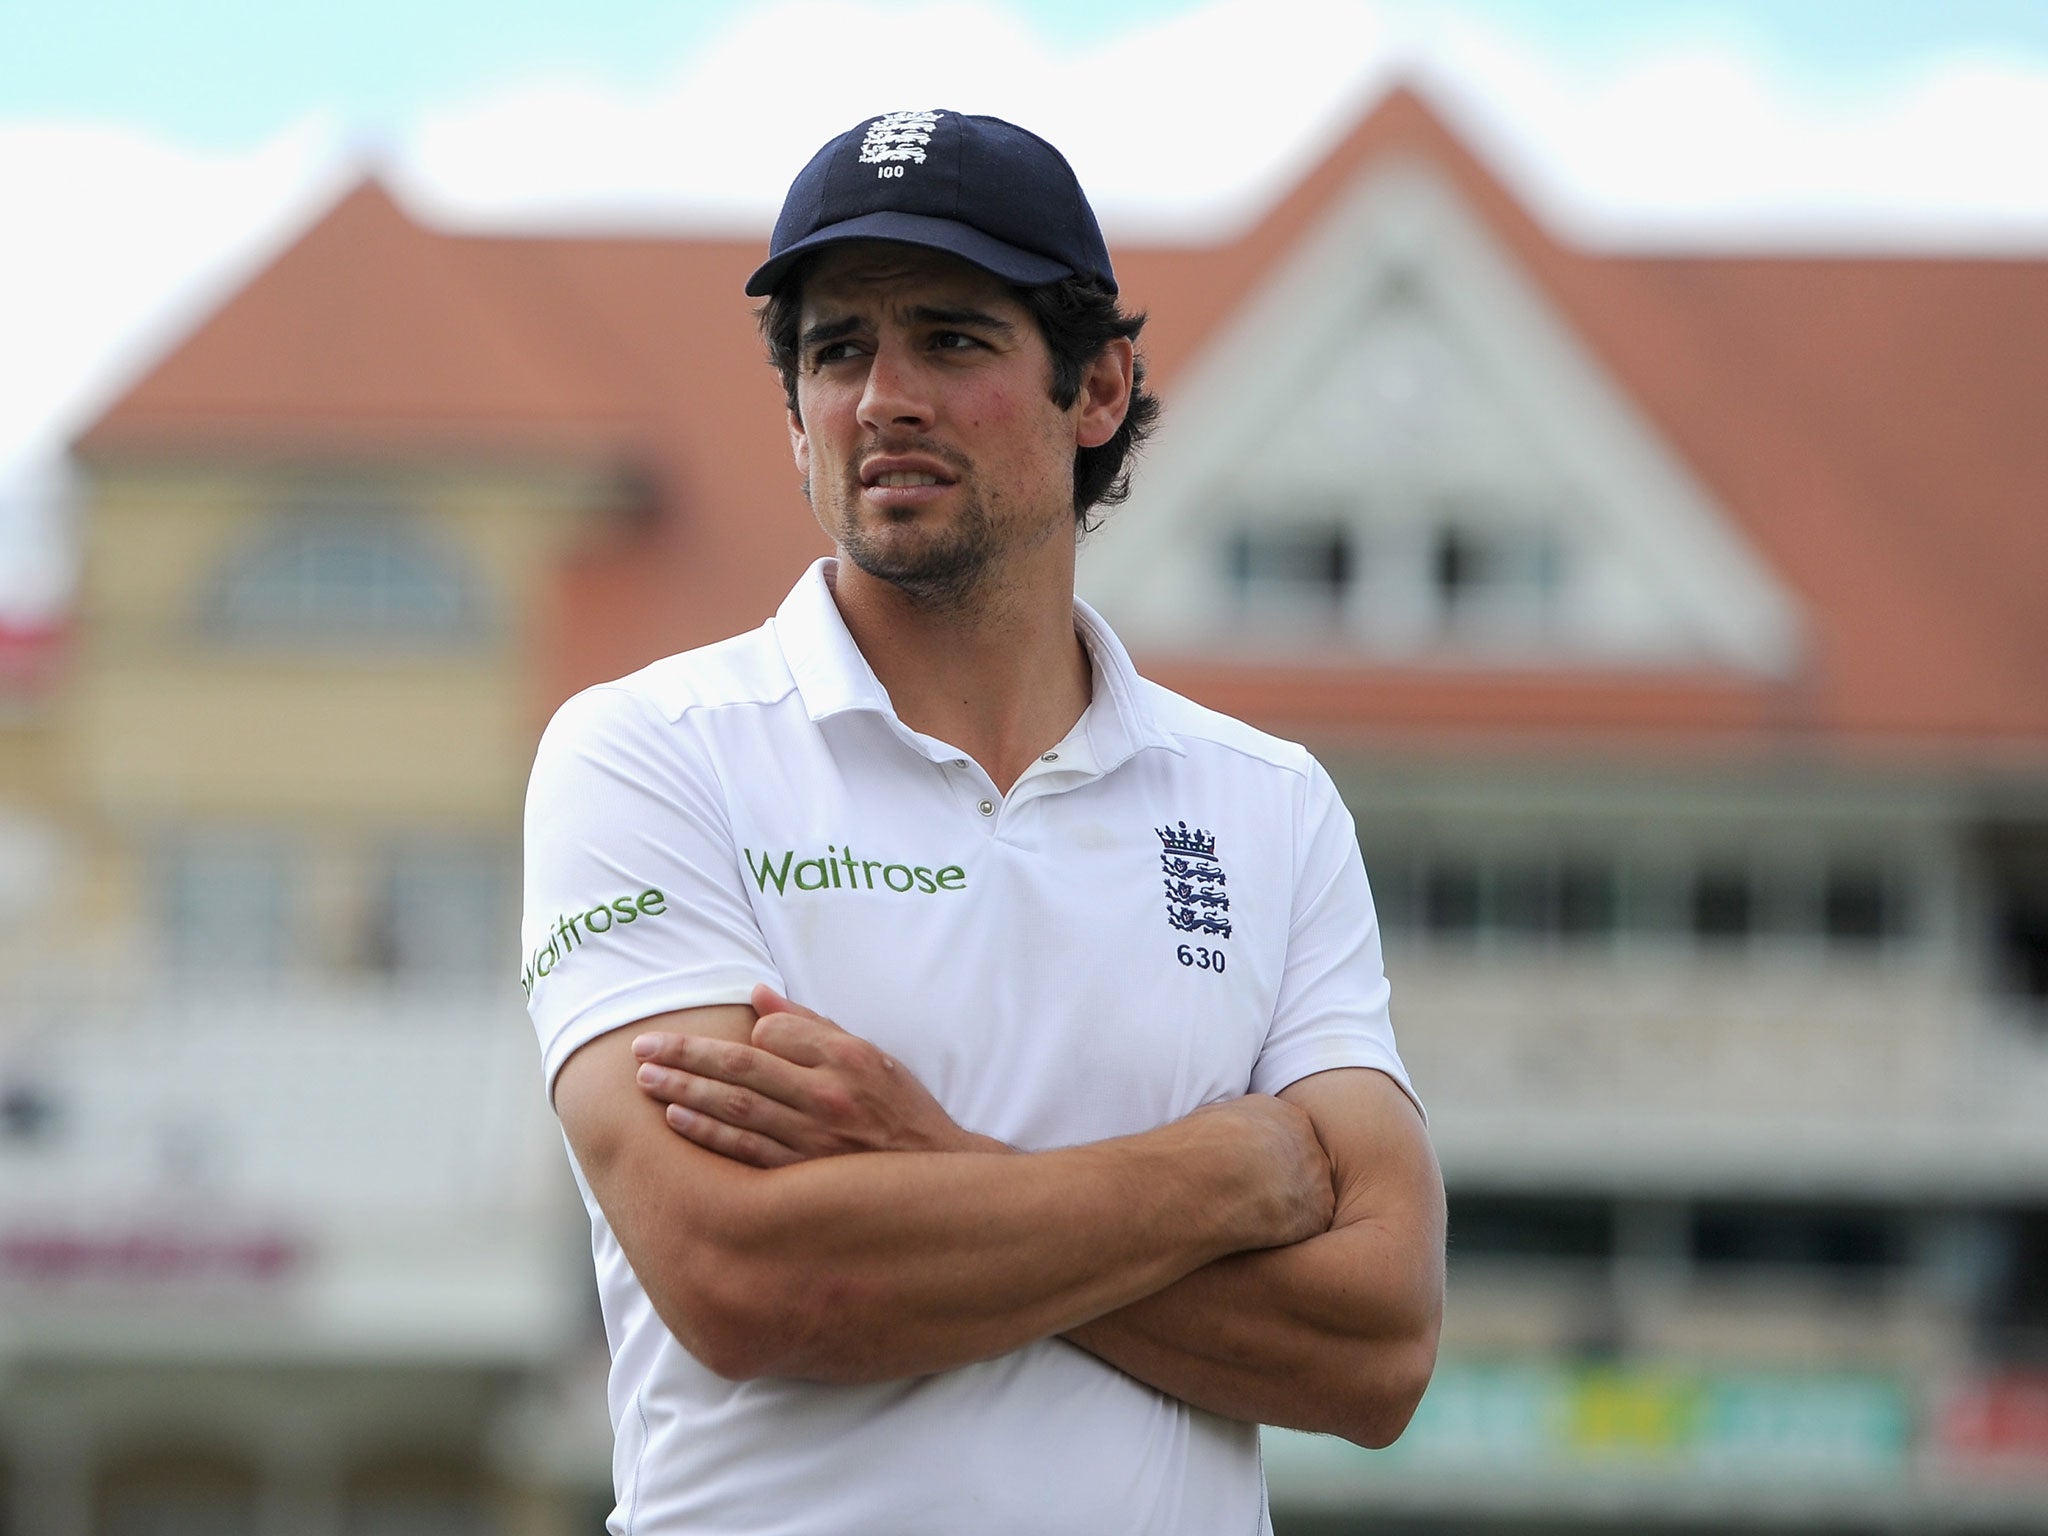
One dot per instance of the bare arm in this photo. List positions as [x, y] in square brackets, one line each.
[873, 1266]
[1335, 1333]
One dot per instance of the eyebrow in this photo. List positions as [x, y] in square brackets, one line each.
[825, 332]
[980, 319]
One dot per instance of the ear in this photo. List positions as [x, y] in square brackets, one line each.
[1105, 393]
[800, 445]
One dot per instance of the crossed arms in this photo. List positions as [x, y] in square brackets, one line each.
[795, 1204]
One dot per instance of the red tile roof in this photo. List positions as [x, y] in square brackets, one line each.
[1872, 424]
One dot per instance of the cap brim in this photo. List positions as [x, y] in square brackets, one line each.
[1009, 262]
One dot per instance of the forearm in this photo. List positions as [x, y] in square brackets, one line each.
[869, 1236]
[1335, 1334]
[882, 1265]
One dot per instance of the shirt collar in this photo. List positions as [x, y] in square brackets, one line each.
[832, 676]
[1119, 718]
[830, 672]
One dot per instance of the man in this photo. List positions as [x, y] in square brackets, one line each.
[974, 1058]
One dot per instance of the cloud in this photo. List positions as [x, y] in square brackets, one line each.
[1180, 128]
[117, 240]
[1180, 124]
[1184, 127]
[1707, 145]
[131, 236]
[718, 140]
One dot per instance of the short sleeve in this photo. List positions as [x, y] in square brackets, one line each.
[1332, 1006]
[633, 904]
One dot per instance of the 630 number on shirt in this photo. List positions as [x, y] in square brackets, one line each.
[1200, 959]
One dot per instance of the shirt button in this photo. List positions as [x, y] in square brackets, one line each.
[959, 762]
[1050, 757]
[988, 807]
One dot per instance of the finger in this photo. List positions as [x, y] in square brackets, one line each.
[749, 1147]
[796, 1038]
[767, 1000]
[741, 1108]
[742, 1065]
[656, 1047]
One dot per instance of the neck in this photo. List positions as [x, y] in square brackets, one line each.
[1002, 676]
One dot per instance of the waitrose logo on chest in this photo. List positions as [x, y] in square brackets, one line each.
[841, 869]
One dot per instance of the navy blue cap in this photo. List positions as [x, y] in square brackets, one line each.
[977, 187]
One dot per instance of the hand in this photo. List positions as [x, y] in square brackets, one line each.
[802, 1088]
[1293, 1191]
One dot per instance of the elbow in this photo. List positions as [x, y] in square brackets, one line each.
[1376, 1416]
[735, 1328]
[744, 1312]
[732, 1356]
[732, 1342]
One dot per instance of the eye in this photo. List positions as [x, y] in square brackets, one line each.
[954, 341]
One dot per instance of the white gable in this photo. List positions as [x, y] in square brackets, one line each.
[1398, 447]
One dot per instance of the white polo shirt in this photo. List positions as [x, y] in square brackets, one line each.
[1166, 910]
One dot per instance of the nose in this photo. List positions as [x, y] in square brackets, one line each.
[895, 395]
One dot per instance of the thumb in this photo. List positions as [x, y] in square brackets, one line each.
[767, 1000]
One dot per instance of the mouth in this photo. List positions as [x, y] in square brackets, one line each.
[903, 472]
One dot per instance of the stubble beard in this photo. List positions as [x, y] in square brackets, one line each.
[941, 569]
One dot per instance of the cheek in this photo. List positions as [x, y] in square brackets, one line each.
[1002, 417]
[821, 428]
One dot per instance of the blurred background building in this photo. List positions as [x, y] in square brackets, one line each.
[1672, 624]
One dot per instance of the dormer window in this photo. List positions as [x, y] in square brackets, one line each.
[1302, 569]
[344, 570]
[1443, 575]
[1503, 578]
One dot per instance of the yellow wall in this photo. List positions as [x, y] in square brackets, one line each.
[28, 767]
[166, 718]
[162, 725]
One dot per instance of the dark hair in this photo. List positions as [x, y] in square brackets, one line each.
[1077, 318]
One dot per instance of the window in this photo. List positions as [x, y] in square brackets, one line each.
[1451, 897]
[227, 905]
[2013, 1311]
[1462, 564]
[1525, 898]
[1573, 893]
[1305, 568]
[1586, 899]
[2016, 867]
[1857, 905]
[1391, 874]
[28, 1111]
[1508, 575]
[344, 570]
[1722, 903]
[440, 911]
[1535, 1227]
[1846, 1242]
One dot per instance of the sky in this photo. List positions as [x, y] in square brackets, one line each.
[153, 156]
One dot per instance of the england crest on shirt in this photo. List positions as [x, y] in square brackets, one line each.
[1196, 899]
